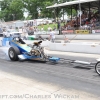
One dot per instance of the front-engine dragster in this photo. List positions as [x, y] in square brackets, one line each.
[19, 50]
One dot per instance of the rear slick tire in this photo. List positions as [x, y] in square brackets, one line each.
[13, 53]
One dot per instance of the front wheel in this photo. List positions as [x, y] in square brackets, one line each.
[97, 68]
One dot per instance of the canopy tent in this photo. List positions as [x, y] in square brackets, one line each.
[93, 3]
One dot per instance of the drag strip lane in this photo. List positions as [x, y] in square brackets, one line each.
[55, 70]
[61, 74]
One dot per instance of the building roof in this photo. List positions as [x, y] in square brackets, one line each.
[71, 3]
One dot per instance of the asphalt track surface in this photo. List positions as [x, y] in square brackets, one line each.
[66, 75]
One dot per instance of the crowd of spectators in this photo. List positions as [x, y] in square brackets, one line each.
[89, 21]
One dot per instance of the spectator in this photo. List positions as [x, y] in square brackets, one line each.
[52, 36]
[31, 31]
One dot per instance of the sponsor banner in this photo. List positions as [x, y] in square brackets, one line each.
[82, 31]
[67, 31]
[95, 31]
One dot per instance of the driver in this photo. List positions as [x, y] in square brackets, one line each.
[20, 40]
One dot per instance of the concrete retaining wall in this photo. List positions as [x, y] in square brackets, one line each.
[76, 47]
[77, 36]
[70, 47]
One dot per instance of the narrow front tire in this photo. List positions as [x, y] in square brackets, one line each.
[97, 68]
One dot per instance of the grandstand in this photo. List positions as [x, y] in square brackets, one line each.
[90, 17]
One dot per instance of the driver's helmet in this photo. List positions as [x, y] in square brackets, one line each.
[17, 39]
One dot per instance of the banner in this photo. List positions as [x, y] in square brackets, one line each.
[67, 31]
[82, 31]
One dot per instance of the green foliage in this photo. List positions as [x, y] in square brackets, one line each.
[14, 9]
[11, 10]
[28, 18]
[36, 6]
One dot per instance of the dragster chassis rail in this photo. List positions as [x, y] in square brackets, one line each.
[96, 65]
[66, 61]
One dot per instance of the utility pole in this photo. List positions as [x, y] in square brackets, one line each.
[63, 12]
[99, 11]
[58, 21]
[80, 12]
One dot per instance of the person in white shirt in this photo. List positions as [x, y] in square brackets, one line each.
[52, 36]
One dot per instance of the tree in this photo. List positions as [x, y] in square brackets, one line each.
[47, 12]
[14, 9]
[37, 8]
[32, 7]
[11, 10]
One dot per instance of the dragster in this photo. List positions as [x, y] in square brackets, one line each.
[19, 50]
